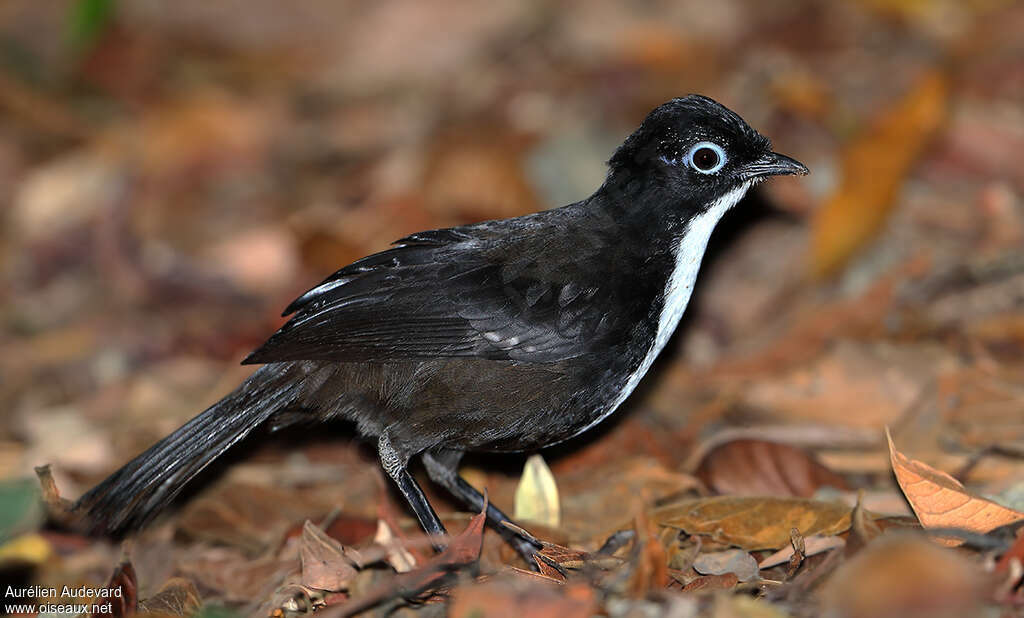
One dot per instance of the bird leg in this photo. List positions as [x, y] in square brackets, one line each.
[395, 465]
[442, 467]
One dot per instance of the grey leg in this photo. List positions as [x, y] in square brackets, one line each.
[442, 467]
[395, 465]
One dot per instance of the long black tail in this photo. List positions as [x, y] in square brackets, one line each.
[133, 495]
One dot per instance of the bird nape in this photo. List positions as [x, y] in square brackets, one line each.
[506, 335]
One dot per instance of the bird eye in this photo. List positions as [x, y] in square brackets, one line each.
[706, 158]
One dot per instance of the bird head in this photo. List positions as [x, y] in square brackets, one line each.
[698, 151]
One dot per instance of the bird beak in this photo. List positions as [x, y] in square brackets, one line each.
[773, 164]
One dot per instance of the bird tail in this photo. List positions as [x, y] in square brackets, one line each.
[133, 495]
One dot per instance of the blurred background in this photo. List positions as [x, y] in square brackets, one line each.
[172, 174]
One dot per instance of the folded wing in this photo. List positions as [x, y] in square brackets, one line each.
[461, 292]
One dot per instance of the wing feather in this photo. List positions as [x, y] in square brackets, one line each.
[459, 292]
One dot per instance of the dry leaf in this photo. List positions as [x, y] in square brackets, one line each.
[591, 509]
[735, 561]
[754, 522]
[537, 494]
[712, 583]
[757, 467]
[462, 550]
[940, 501]
[650, 568]
[874, 166]
[326, 564]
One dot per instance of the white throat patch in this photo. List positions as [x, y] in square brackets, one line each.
[688, 252]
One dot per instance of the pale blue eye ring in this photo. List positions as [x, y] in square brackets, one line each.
[706, 157]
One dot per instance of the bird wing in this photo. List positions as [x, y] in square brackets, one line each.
[516, 292]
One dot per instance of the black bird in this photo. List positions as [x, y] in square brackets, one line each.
[507, 335]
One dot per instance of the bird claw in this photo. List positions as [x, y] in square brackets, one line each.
[523, 535]
[528, 546]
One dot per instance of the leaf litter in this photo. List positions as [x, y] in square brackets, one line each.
[172, 184]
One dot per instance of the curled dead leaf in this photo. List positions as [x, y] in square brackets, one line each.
[941, 501]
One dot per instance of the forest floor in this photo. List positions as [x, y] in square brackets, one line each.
[172, 175]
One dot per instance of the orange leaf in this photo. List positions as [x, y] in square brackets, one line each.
[874, 165]
[754, 522]
[940, 501]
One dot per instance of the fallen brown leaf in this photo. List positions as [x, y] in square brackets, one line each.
[712, 583]
[874, 166]
[754, 522]
[940, 501]
[650, 568]
[591, 510]
[757, 467]
[462, 550]
[735, 561]
[326, 564]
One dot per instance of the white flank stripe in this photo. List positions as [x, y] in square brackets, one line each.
[689, 253]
